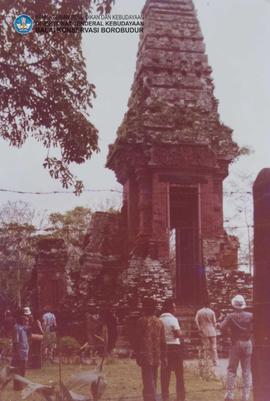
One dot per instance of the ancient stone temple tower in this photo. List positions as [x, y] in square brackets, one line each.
[172, 151]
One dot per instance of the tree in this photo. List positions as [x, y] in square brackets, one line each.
[44, 89]
[239, 214]
[72, 227]
[17, 249]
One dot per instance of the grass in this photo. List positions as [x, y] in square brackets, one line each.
[124, 380]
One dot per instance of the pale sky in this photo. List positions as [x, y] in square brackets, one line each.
[237, 35]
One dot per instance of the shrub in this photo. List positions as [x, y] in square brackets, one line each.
[5, 347]
[68, 346]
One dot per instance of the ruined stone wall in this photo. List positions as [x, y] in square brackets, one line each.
[221, 251]
[145, 278]
[104, 242]
[103, 258]
[224, 284]
[149, 278]
[50, 269]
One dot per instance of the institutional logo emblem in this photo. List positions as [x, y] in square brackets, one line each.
[23, 24]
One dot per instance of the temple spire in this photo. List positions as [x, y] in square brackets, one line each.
[172, 152]
[172, 98]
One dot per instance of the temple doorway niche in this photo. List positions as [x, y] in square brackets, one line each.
[184, 226]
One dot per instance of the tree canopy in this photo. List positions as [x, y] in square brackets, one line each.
[20, 229]
[44, 89]
[72, 227]
[17, 248]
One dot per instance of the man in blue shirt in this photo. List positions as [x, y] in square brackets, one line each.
[20, 347]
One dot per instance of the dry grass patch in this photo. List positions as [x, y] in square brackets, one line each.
[123, 381]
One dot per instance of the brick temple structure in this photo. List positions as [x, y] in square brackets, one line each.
[171, 155]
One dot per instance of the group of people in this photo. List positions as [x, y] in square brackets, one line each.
[28, 336]
[159, 342]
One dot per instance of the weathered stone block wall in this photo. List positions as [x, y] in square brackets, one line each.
[221, 251]
[104, 243]
[103, 259]
[160, 217]
[50, 268]
[146, 278]
[224, 284]
[105, 234]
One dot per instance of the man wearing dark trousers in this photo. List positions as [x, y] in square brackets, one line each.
[174, 352]
[150, 348]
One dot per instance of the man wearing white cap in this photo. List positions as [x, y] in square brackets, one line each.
[240, 325]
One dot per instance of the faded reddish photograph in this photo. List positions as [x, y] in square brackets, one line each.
[134, 209]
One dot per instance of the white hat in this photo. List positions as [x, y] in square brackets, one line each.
[27, 311]
[238, 302]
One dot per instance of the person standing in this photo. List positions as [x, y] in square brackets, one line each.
[150, 348]
[91, 328]
[101, 337]
[174, 352]
[205, 320]
[49, 319]
[240, 324]
[49, 329]
[20, 347]
[35, 342]
[111, 322]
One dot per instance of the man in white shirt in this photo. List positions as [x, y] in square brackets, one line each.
[205, 320]
[174, 352]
